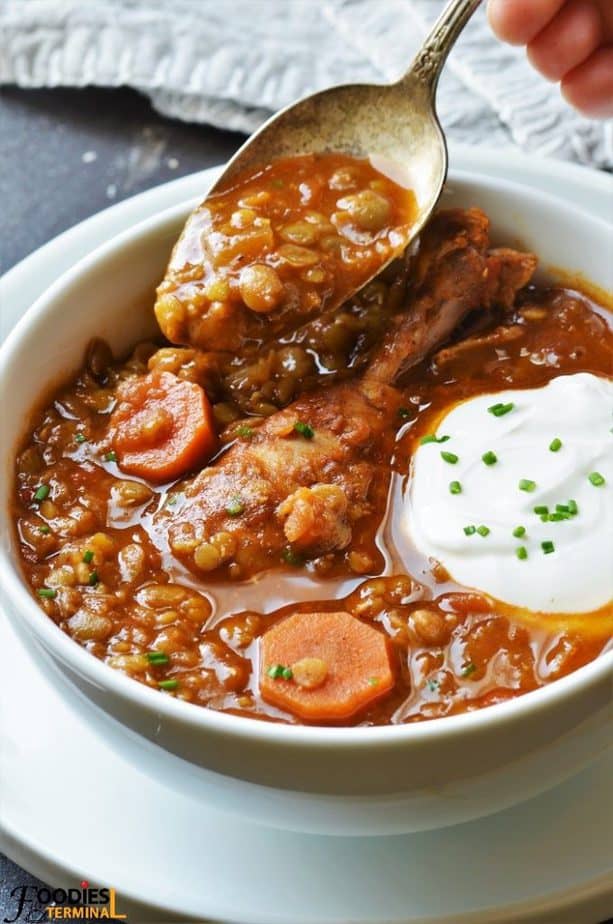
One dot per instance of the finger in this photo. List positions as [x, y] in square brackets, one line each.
[606, 11]
[568, 40]
[589, 87]
[519, 21]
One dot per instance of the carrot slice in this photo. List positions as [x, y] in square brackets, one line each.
[162, 427]
[324, 667]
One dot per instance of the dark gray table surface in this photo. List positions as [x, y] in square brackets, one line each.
[64, 155]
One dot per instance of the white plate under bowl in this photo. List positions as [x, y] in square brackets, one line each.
[549, 859]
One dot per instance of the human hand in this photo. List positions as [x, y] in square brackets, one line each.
[568, 41]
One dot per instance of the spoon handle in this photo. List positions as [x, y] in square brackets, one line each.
[428, 63]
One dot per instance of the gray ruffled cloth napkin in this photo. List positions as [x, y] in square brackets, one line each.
[232, 62]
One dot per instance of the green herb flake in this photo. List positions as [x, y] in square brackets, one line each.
[235, 507]
[596, 479]
[548, 547]
[499, 410]
[557, 517]
[521, 552]
[110, 456]
[277, 671]
[555, 445]
[42, 492]
[93, 579]
[489, 457]
[168, 684]
[433, 685]
[80, 438]
[449, 457]
[373, 681]
[304, 429]
[44, 529]
[483, 530]
[563, 508]
[290, 557]
[527, 485]
[541, 509]
[573, 508]
[470, 530]
[468, 669]
[157, 657]
[455, 487]
[245, 431]
[519, 531]
[48, 593]
[88, 556]
[433, 438]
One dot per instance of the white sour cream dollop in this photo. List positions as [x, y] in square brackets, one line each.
[577, 576]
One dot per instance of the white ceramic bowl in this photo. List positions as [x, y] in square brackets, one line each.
[335, 780]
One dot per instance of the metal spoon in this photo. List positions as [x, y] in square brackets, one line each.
[394, 125]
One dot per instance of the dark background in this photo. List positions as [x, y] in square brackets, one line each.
[66, 154]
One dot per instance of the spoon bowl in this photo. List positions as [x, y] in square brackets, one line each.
[394, 126]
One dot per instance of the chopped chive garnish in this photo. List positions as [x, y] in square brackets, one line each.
[557, 517]
[157, 657]
[291, 557]
[433, 438]
[42, 492]
[245, 430]
[433, 685]
[93, 579]
[555, 445]
[80, 438]
[468, 669]
[274, 671]
[235, 507]
[470, 530]
[519, 531]
[548, 546]
[499, 410]
[449, 457]
[522, 552]
[404, 413]
[168, 684]
[88, 556]
[44, 529]
[527, 485]
[562, 508]
[304, 429]
[47, 592]
[172, 499]
[280, 670]
[540, 509]
[455, 487]
[489, 457]
[596, 479]
[110, 456]
[373, 681]
[483, 530]
[573, 508]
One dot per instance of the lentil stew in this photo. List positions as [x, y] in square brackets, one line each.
[218, 519]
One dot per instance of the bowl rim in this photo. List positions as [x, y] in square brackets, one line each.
[20, 602]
